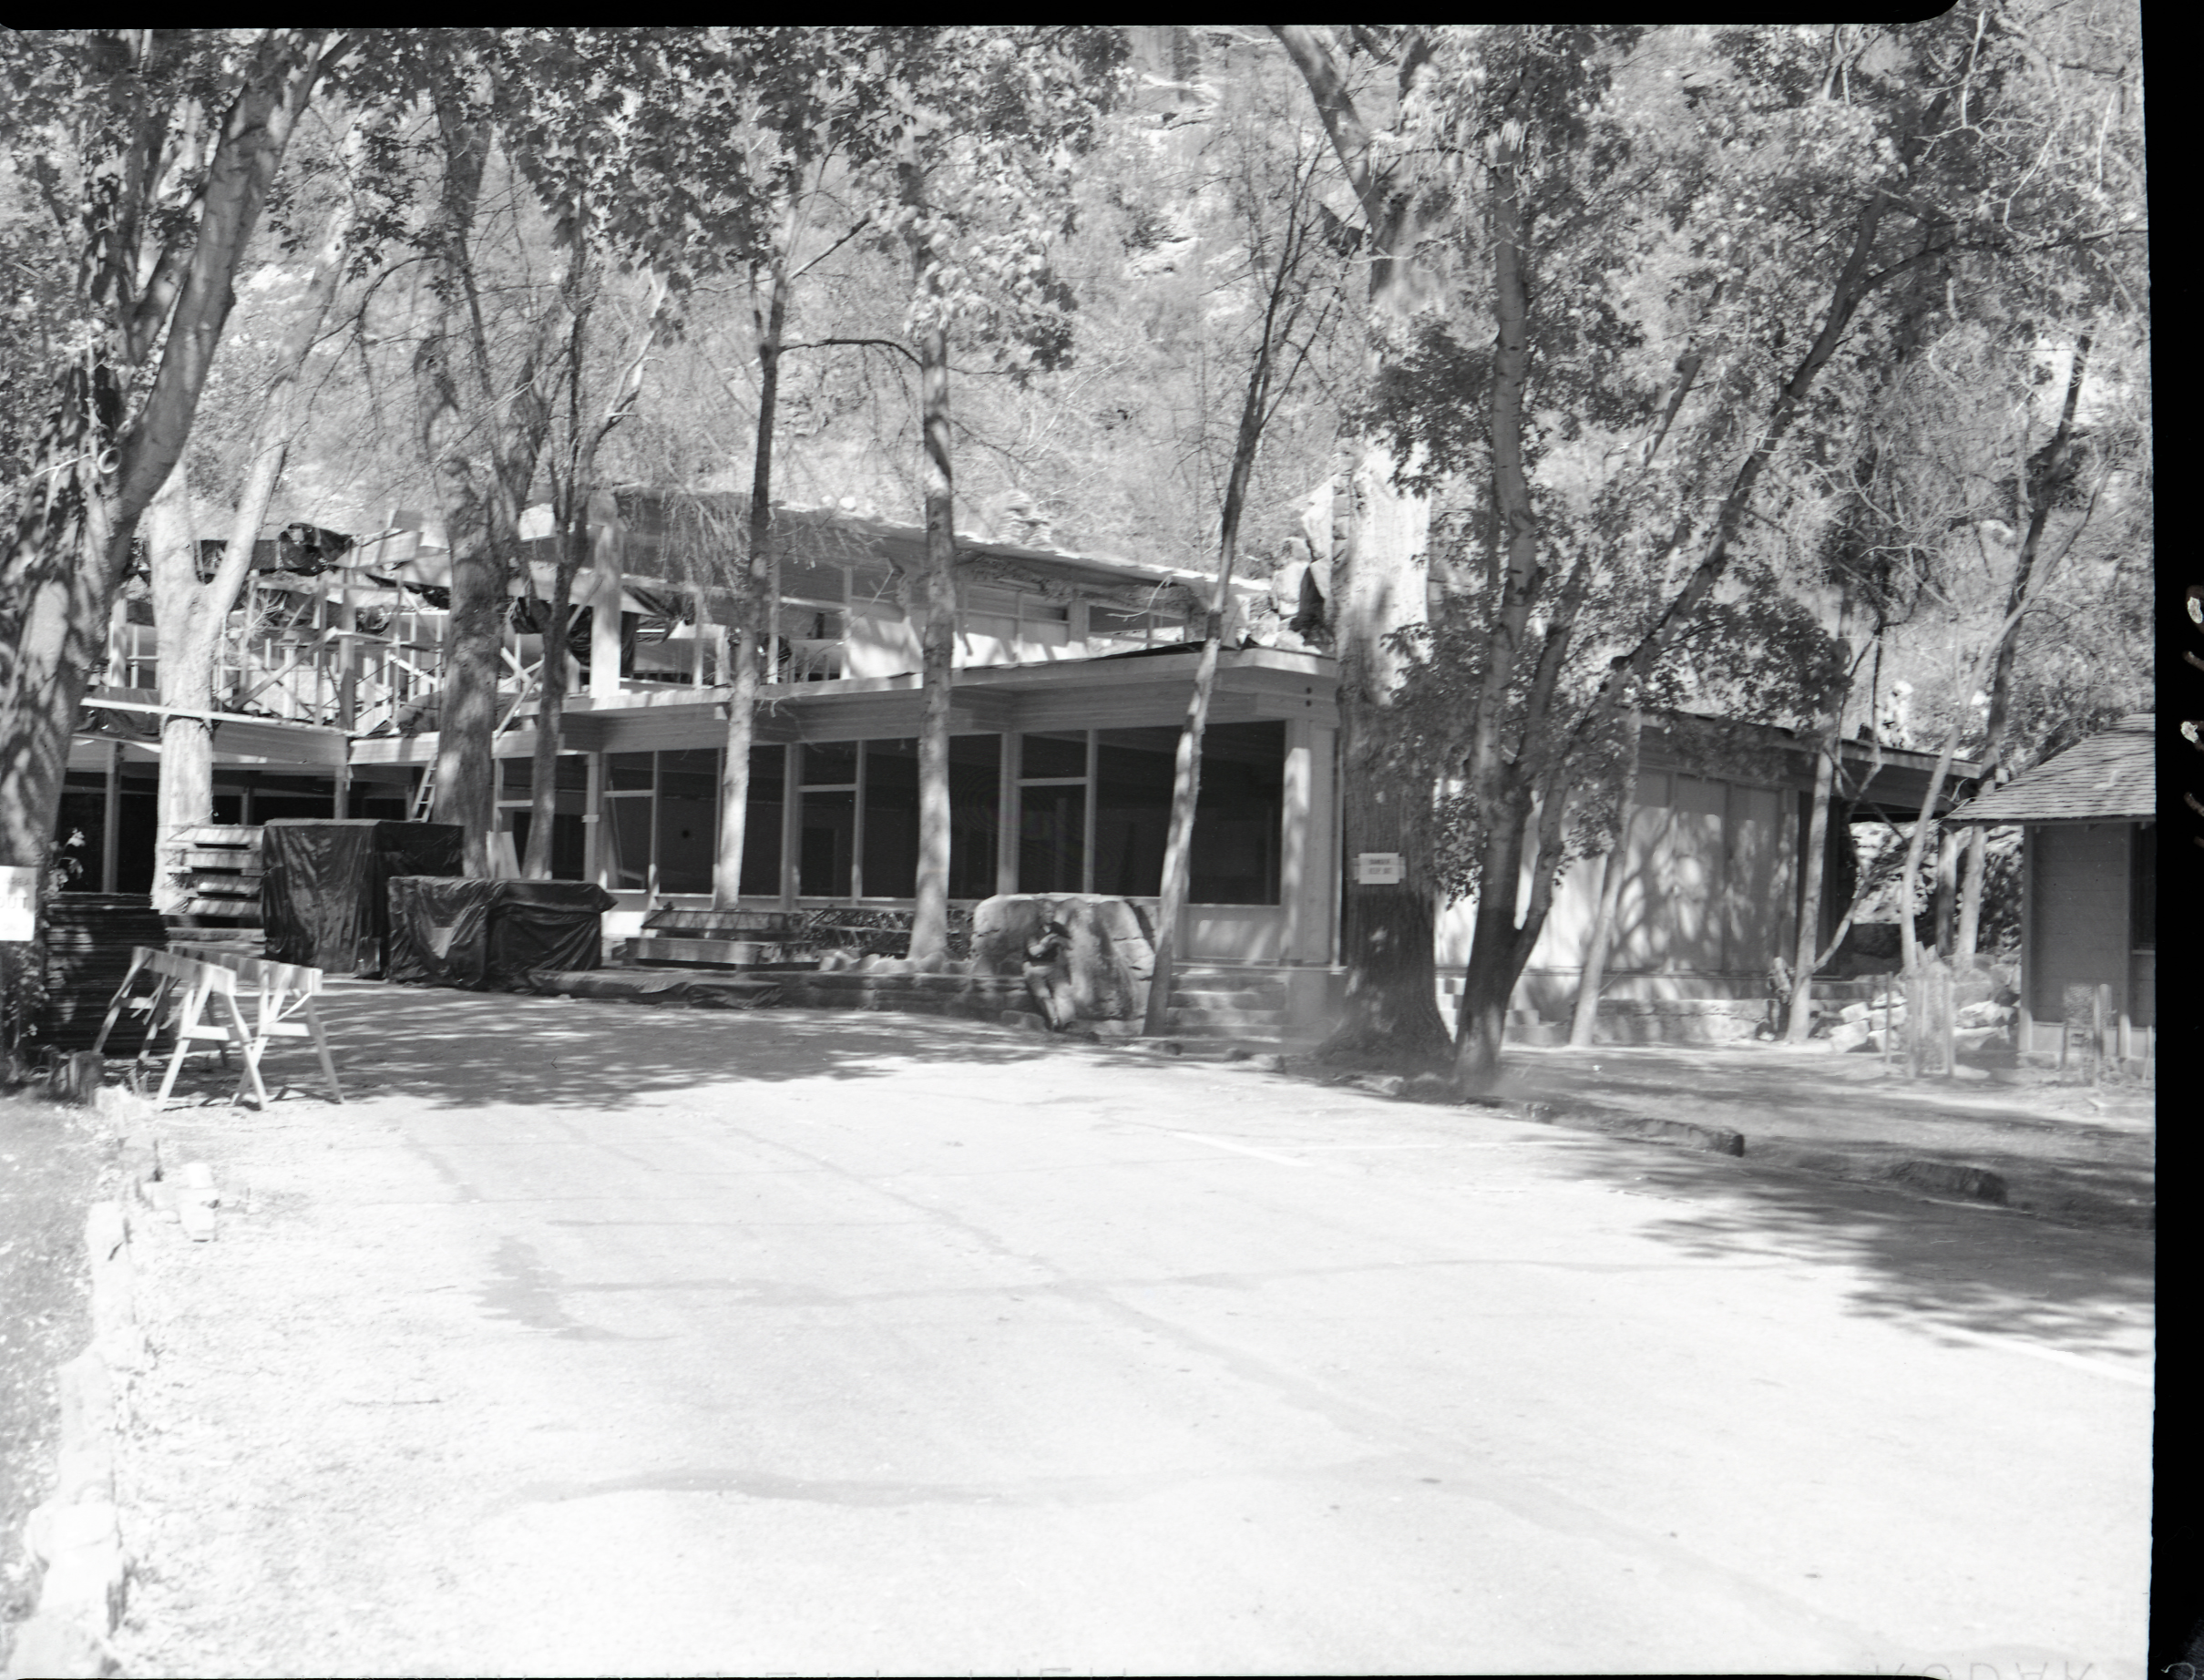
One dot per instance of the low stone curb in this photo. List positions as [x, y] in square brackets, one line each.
[1954, 1180]
[75, 1535]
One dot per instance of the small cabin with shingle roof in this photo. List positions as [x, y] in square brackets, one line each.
[2088, 820]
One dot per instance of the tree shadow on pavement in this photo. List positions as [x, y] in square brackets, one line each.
[468, 1049]
[1974, 1270]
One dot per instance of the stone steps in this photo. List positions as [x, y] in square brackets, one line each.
[1208, 1001]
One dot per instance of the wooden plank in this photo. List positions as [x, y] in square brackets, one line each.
[214, 858]
[234, 909]
[732, 953]
[719, 923]
[216, 833]
[227, 885]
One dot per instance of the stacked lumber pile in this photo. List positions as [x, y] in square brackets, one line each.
[723, 939]
[217, 871]
[88, 940]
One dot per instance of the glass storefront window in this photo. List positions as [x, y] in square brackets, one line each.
[1133, 777]
[688, 819]
[1061, 753]
[827, 842]
[830, 763]
[1052, 838]
[628, 832]
[975, 783]
[1238, 818]
[762, 822]
[891, 819]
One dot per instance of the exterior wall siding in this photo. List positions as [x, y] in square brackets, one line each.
[2078, 924]
[1706, 901]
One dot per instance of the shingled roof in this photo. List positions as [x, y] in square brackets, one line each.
[2109, 778]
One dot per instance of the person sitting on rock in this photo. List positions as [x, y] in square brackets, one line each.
[1048, 973]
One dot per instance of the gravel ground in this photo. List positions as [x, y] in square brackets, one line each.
[52, 1160]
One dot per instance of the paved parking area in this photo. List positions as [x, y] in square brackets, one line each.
[595, 1338]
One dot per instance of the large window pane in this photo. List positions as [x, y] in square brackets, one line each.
[567, 841]
[830, 763]
[628, 769]
[829, 832]
[1237, 820]
[1059, 753]
[1133, 776]
[627, 825]
[762, 821]
[975, 783]
[688, 819]
[891, 819]
[1051, 849]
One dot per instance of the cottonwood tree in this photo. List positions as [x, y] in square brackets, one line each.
[1290, 291]
[1673, 263]
[156, 150]
[483, 411]
[976, 147]
[1363, 82]
[595, 181]
[191, 611]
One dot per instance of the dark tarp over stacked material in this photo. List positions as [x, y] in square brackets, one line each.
[324, 893]
[439, 930]
[498, 933]
[544, 928]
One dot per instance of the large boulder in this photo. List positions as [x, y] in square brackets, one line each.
[1112, 954]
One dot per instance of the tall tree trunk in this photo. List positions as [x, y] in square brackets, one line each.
[930, 921]
[1614, 869]
[2046, 467]
[1807, 954]
[1488, 979]
[1799, 1019]
[70, 547]
[1186, 771]
[757, 607]
[1944, 902]
[466, 765]
[1974, 859]
[1916, 846]
[938, 635]
[1390, 1006]
[1502, 805]
[188, 632]
[551, 689]
[1386, 930]
[190, 617]
[483, 520]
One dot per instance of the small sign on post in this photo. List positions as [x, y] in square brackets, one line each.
[1379, 868]
[18, 902]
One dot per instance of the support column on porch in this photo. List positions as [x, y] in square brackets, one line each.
[593, 823]
[1006, 815]
[605, 573]
[1308, 870]
[792, 821]
[110, 835]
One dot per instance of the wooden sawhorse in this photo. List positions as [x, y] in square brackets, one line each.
[197, 982]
